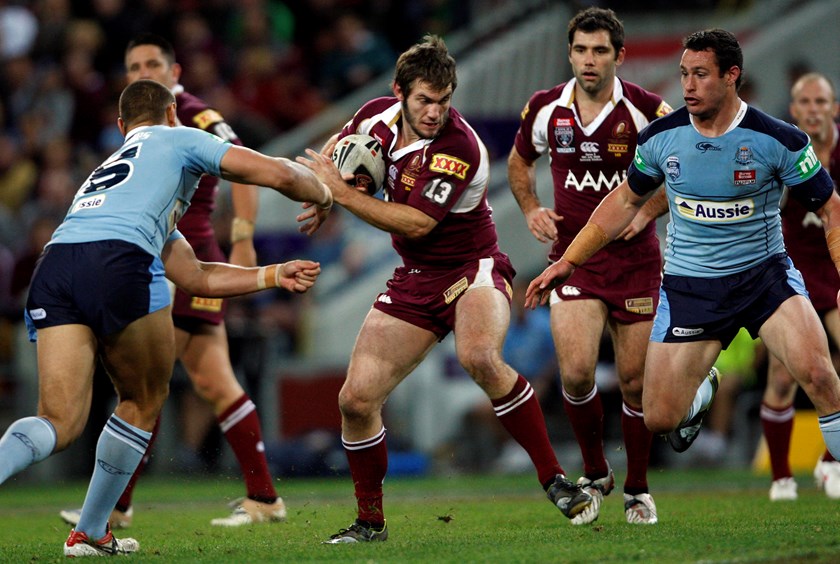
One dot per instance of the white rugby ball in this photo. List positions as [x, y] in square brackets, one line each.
[361, 156]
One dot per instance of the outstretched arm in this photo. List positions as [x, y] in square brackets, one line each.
[221, 280]
[611, 217]
[829, 214]
[523, 183]
[295, 181]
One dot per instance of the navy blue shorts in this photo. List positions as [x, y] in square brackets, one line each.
[104, 284]
[706, 309]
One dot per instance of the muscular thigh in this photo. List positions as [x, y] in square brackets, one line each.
[577, 327]
[387, 349]
[140, 358]
[673, 372]
[795, 336]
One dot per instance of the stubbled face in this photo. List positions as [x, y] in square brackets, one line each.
[147, 61]
[594, 60]
[704, 90]
[814, 108]
[425, 109]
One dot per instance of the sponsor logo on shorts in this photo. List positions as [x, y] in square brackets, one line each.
[38, 314]
[89, 203]
[384, 298]
[455, 290]
[569, 291]
[715, 212]
[639, 305]
[683, 332]
[448, 164]
[206, 304]
[205, 119]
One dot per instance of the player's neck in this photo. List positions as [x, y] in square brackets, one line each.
[590, 105]
[715, 125]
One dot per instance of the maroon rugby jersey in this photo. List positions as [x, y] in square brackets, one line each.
[587, 162]
[194, 112]
[805, 242]
[445, 178]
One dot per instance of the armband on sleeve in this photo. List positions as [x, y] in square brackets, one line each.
[591, 239]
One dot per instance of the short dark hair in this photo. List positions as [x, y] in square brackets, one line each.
[152, 39]
[428, 61]
[591, 20]
[723, 44]
[145, 101]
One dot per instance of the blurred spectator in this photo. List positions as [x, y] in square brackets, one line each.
[18, 30]
[18, 174]
[351, 55]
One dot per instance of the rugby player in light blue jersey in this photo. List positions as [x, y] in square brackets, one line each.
[724, 165]
[98, 291]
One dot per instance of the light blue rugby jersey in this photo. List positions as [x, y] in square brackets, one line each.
[140, 192]
[723, 192]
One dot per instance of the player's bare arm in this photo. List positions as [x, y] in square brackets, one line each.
[389, 216]
[291, 179]
[522, 180]
[245, 203]
[221, 280]
[656, 207]
[610, 218]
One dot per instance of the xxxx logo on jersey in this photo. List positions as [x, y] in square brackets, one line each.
[449, 165]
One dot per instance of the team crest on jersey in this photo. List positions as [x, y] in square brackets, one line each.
[564, 134]
[205, 119]
[448, 164]
[412, 171]
[672, 167]
[744, 156]
[715, 212]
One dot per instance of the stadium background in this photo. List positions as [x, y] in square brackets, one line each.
[286, 75]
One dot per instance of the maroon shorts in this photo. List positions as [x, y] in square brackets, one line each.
[427, 298]
[190, 311]
[627, 282]
[821, 281]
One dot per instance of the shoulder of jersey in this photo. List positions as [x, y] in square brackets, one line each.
[677, 118]
[790, 136]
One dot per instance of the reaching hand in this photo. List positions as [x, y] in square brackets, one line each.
[541, 223]
[540, 287]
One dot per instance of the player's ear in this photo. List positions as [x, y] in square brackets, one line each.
[121, 126]
[176, 72]
[398, 92]
[171, 115]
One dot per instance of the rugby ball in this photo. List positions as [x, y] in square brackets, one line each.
[361, 156]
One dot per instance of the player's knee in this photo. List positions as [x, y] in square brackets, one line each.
[660, 422]
[353, 407]
[482, 363]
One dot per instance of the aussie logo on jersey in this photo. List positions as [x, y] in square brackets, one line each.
[715, 212]
[564, 134]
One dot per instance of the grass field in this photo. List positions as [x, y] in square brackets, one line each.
[705, 516]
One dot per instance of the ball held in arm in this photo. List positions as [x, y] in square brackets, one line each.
[361, 156]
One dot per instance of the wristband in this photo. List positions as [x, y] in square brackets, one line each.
[269, 276]
[241, 229]
[588, 241]
[832, 239]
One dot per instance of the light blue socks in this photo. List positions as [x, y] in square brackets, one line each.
[118, 452]
[26, 441]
